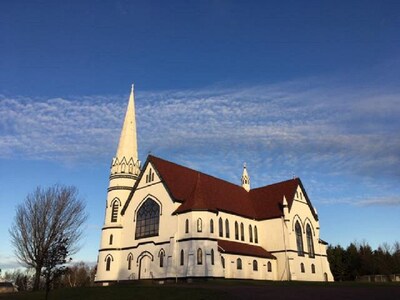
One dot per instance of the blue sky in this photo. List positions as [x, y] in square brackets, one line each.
[304, 88]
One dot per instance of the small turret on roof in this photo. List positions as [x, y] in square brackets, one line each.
[245, 178]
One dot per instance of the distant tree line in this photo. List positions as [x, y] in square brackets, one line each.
[75, 275]
[358, 259]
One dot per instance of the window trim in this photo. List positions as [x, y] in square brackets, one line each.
[161, 255]
[108, 259]
[115, 204]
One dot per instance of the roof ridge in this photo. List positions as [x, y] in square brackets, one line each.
[196, 190]
[194, 170]
[276, 183]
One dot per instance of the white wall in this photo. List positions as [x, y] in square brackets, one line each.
[276, 236]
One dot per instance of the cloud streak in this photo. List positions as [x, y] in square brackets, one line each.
[387, 200]
[305, 123]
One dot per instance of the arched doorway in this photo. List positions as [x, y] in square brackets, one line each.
[145, 259]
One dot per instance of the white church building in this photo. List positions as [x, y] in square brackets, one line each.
[166, 221]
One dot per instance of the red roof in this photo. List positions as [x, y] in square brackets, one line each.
[243, 249]
[199, 191]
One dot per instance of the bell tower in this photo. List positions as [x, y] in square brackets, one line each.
[125, 169]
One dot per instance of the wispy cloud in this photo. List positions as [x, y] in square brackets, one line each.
[57, 129]
[391, 200]
[303, 123]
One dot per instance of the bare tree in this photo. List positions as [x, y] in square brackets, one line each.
[47, 217]
[78, 275]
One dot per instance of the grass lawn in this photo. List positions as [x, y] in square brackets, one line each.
[222, 289]
[123, 292]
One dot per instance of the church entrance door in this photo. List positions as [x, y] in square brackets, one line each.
[144, 267]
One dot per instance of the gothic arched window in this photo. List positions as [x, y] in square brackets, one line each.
[250, 234]
[161, 254]
[255, 265]
[111, 239]
[199, 256]
[221, 227]
[313, 268]
[130, 258]
[269, 267]
[236, 231]
[255, 235]
[239, 264]
[182, 257]
[242, 231]
[299, 239]
[187, 226]
[212, 256]
[147, 219]
[199, 225]
[223, 262]
[303, 270]
[310, 243]
[227, 228]
[211, 226]
[114, 211]
[108, 262]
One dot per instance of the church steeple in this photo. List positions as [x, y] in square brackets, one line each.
[126, 159]
[245, 179]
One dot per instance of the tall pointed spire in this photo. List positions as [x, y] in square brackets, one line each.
[245, 179]
[126, 159]
[127, 146]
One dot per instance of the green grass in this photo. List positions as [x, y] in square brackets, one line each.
[123, 292]
[214, 289]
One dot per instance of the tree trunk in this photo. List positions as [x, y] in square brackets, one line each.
[38, 272]
[47, 286]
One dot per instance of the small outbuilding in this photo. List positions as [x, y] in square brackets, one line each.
[7, 287]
